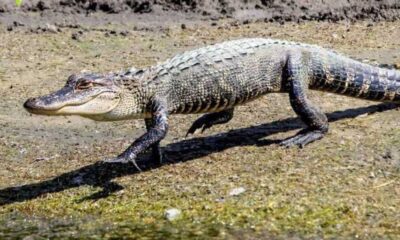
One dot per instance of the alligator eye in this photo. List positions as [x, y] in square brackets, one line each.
[84, 84]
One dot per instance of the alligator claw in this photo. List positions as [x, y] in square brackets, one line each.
[198, 125]
[121, 159]
[302, 139]
[192, 129]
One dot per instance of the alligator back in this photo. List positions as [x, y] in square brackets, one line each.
[231, 73]
[224, 75]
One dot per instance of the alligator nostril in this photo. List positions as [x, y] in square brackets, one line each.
[29, 103]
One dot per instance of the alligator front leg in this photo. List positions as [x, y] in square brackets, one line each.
[316, 120]
[155, 133]
[208, 120]
[155, 148]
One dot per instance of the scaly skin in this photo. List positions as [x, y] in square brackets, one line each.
[215, 79]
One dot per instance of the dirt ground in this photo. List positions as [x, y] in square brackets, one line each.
[249, 10]
[346, 185]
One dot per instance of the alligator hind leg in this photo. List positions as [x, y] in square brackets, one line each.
[210, 119]
[311, 115]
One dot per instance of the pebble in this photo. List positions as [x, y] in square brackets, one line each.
[124, 33]
[172, 213]
[237, 191]
[76, 36]
[18, 24]
[51, 28]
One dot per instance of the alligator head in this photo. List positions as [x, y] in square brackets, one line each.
[87, 95]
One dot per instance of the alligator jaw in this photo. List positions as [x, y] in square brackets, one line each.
[92, 106]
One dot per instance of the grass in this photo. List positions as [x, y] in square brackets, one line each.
[343, 186]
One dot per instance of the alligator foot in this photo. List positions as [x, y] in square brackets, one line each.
[208, 120]
[303, 138]
[198, 124]
[122, 159]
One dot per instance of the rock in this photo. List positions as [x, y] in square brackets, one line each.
[18, 24]
[42, 5]
[124, 33]
[172, 213]
[50, 28]
[76, 36]
[237, 191]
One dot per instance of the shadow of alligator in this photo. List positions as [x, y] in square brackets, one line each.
[101, 174]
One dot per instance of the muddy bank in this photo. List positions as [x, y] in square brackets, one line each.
[264, 10]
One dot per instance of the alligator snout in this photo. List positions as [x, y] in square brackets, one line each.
[30, 104]
[34, 105]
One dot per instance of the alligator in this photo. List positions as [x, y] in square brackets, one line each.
[215, 79]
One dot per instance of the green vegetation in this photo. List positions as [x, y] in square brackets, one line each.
[18, 3]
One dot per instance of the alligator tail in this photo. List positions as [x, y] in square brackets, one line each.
[342, 75]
